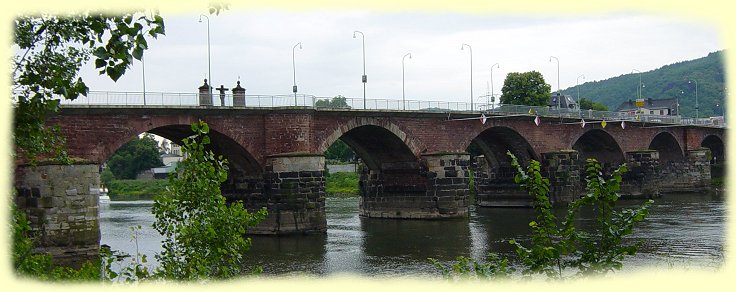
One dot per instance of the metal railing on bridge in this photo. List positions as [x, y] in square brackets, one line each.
[138, 99]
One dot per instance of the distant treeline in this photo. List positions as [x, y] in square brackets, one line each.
[133, 189]
[666, 82]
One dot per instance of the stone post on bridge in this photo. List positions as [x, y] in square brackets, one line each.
[238, 95]
[564, 173]
[205, 94]
[61, 203]
[294, 194]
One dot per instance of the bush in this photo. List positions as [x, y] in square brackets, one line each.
[131, 189]
[341, 184]
[556, 247]
[203, 236]
[26, 263]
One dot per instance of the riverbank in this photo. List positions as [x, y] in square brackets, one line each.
[136, 189]
[342, 184]
[339, 184]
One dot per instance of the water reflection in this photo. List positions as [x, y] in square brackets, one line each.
[681, 230]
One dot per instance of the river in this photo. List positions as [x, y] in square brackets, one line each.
[682, 230]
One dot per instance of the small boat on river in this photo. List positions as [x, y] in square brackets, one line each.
[104, 198]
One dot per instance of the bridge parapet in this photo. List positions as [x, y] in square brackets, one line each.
[239, 100]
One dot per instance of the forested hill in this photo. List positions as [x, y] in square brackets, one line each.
[666, 82]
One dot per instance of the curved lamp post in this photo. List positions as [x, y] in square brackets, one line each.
[293, 67]
[365, 77]
[471, 73]
[638, 90]
[558, 79]
[209, 63]
[697, 114]
[403, 91]
[577, 84]
[493, 98]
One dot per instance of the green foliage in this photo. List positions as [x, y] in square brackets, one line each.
[468, 268]
[666, 82]
[203, 236]
[558, 247]
[52, 49]
[342, 183]
[589, 104]
[601, 250]
[135, 156]
[528, 88]
[124, 190]
[106, 176]
[26, 263]
[130, 268]
[339, 151]
[336, 102]
[548, 246]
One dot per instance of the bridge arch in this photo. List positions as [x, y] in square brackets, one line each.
[380, 144]
[667, 146]
[715, 144]
[241, 162]
[599, 144]
[494, 142]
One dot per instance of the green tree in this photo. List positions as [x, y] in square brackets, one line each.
[51, 50]
[528, 88]
[339, 151]
[203, 236]
[589, 104]
[336, 102]
[106, 177]
[135, 156]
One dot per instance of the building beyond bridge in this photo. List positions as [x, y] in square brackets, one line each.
[416, 164]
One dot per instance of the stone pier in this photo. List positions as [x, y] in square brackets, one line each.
[563, 168]
[294, 194]
[62, 204]
[643, 179]
[690, 175]
[495, 186]
[439, 189]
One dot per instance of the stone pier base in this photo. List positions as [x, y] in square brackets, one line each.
[294, 194]
[564, 173]
[690, 175]
[62, 204]
[643, 178]
[439, 190]
[495, 186]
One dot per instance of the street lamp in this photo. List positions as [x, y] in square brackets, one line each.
[471, 73]
[577, 84]
[493, 99]
[209, 62]
[293, 67]
[403, 92]
[696, 98]
[638, 90]
[365, 77]
[143, 64]
[558, 79]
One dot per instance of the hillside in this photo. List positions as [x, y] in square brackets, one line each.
[665, 82]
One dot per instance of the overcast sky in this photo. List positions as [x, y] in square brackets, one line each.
[257, 47]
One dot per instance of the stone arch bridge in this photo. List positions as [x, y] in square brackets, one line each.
[416, 163]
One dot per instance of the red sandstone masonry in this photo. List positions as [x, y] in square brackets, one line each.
[94, 134]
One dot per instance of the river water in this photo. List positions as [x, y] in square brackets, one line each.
[682, 230]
